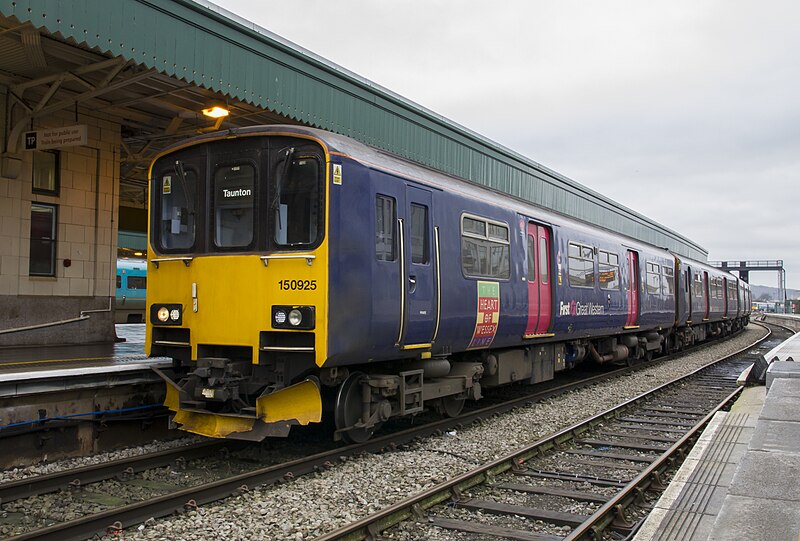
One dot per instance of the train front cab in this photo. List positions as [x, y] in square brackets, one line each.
[238, 281]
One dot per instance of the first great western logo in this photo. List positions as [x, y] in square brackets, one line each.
[575, 308]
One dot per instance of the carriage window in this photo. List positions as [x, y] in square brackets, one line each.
[297, 201]
[531, 259]
[119, 281]
[484, 248]
[544, 271]
[384, 228]
[178, 191]
[136, 282]
[581, 265]
[733, 293]
[698, 285]
[473, 226]
[653, 279]
[608, 270]
[498, 261]
[668, 281]
[234, 196]
[419, 234]
[498, 232]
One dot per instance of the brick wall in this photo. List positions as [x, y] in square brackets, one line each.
[86, 231]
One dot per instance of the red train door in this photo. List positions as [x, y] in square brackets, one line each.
[540, 302]
[632, 321]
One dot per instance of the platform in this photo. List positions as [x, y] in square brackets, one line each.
[48, 369]
[790, 349]
[57, 402]
[787, 320]
[740, 480]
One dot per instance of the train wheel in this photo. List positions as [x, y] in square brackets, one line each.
[348, 409]
[668, 346]
[451, 406]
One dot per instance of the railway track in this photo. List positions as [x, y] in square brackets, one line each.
[118, 515]
[593, 480]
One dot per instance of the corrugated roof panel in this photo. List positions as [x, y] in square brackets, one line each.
[207, 46]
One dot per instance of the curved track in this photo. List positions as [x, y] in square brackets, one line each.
[179, 499]
[579, 483]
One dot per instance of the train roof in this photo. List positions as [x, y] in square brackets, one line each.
[128, 263]
[379, 159]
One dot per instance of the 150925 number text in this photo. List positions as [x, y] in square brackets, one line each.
[297, 285]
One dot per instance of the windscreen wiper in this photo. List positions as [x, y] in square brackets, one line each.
[185, 185]
[287, 161]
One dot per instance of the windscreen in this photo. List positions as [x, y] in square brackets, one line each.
[234, 198]
[297, 201]
[249, 194]
[178, 191]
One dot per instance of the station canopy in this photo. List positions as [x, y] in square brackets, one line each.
[156, 65]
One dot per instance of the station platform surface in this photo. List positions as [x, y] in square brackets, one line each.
[740, 481]
[787, 320]
[21, 366]
[790, 349]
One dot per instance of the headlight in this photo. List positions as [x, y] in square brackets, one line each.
[295, 317]
[166, 314]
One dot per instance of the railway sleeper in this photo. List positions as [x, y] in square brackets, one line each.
[489, 530]
[553, 517]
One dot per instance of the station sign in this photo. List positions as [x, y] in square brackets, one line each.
[65, 136]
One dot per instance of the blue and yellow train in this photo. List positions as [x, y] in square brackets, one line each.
[294, 271]
[129, 301]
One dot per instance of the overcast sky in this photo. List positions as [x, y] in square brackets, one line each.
[688, 112]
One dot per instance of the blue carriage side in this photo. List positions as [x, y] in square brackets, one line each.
[434, 264]
[131, 290]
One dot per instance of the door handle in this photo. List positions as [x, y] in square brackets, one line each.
[412, 284]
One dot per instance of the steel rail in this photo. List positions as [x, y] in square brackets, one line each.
[370, 526]
[614, 507]
[136, 513]
[41, 484]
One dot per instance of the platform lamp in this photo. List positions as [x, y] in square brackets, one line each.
[217, 112]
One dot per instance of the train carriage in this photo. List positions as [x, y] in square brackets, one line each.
[294, 271]
[131, 286]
